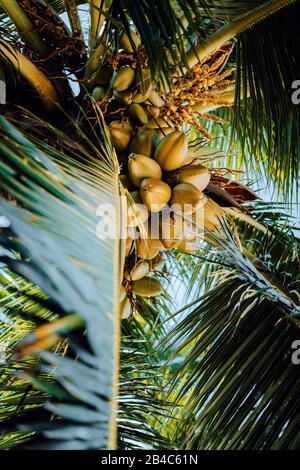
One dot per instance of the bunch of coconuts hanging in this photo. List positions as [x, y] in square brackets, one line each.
[162, 184]
[159, 173]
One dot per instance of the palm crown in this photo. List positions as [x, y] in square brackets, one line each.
[157, 104]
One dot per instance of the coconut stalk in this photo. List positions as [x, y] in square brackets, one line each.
[200, 52]
[74, 18]
[24, 26]
[97, 21]
[32, 74]
[97, 8]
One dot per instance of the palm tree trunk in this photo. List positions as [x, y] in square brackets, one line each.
[119, 268]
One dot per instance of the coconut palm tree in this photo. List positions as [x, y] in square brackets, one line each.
[94, 354]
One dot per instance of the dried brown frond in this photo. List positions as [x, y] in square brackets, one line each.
[235, 188]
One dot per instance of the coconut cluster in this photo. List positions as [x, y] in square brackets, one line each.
[166, 197]
[164, 179]
[165, 182]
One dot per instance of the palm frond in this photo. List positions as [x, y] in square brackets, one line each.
[142, 404]
[267, 124]
[230, 10]
[160, 28]
[44, 245]
[264, 123]
[25, 26]
[238, 368]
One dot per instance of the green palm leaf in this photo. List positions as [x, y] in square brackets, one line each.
[240, 378]
[47, 234]
[267, 124]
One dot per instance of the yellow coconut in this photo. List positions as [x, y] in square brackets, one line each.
[155, 99]
[123, 96]
[153, 111]
[191, 159]
[197, 175]
[99, 93]
[157, 263]
[171, 226]
[158, 123]
[171, 151]
[125, 309]
[138, 113]
[187, 198]
[121, 132]
[190, 229]
[144, 142]
[149, 244]
[123, 78]
[141, 167]
[161, 133]
[140, 270]
[143, 85]
[187, 247]
[129, 43]
[155, 194]
[136, 214]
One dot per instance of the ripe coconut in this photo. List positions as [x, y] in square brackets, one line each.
[141, 167]
[121, 133]
[155, 194]
[172, 151]
[187, 198]
[197, 175]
